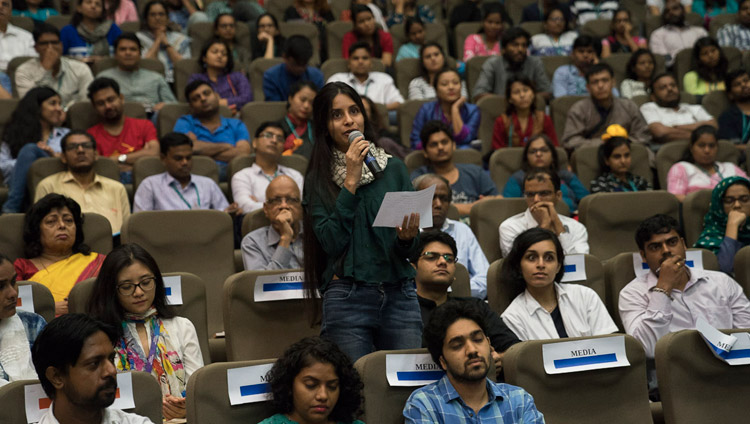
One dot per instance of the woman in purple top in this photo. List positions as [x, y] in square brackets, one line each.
[217, 64]
[451, 108]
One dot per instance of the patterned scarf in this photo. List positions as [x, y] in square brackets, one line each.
[96, 37]
[163, 361]
[338, 166]
[715, 222]
[15, 354]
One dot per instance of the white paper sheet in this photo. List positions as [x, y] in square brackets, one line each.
[36, 401]
[397, 204]
[733, 349]
[248, 384]
[575, 268]
[279, 287]
[25, 300]
[584, 355]
[693, 260]
[124, 396]
[411, 369]
[173, 287]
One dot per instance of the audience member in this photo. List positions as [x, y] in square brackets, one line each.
[90, 35]
[698, 168]
[38, 10]
[278, 79]
[588, 119]
[675, 34]
[380, 42]
[18, 330]
[178, 188]
[469, 183]
[656, 7]
[346, 14]
[465, 11]
[521, 121]
[268, 43]
[185, 12]
[314, 381]
[158, 41]
[537, 12]
[414, 29]
[669, 119]
[542, 191]
[725, 227]
[213, 135]
[710, 68]
[51, 69]
[93, 192]
[246, 11]
[569, 80]
[14, 41]
[622, 38]
[737, 34]
[432, 60]
[615, 163]
[54, 249]
[467, 251]
[556, 39]
[318, 13]
[225, 29]
[514, 62]
[456, 337]
[450, 108]
[138, 85]
[732, 124]
[711, 8]
[119, 137]
[278, 245]
[217, 64]
[542, 307]
[34, 131]
[73, 359]
[589, 10]
[129, 295]
[638, 74]
[487, 41]
[405, 9]
[297, 124]
[120, 11]
[541, 153]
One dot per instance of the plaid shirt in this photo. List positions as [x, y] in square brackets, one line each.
[439, 402]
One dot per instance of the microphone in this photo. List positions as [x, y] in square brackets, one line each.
[370, 161]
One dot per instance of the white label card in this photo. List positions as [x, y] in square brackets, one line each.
[575, 268]
[37, 402]
[412, 369]
[693, 260]
[248, 384]
[734, 349]
[397, 204]
[173, 287]
[25, 300]
[124, 396]
[280, 287]
[584, 355]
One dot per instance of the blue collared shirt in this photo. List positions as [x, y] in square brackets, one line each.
[568, 81]
[230, 131]
[163, 192]
[277, 81]
[470, 255]
[439, 402]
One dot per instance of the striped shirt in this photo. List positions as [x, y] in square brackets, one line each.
[735, 36]
[589, 10]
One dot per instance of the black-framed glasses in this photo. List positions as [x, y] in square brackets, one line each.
[72, 147]
[728, 200]
[274, 137]
[127, 289]
[275, 201]
[433, 256]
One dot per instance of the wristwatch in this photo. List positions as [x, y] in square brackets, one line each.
[122, 158]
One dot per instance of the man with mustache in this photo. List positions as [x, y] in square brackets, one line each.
[73, 357]
[731, 121]
[569, 80]
[457, 339]
[675, 35]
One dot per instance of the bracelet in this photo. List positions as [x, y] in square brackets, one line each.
[660, 290]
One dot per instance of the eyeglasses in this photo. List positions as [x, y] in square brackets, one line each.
[272, 136]
[544, 149]
[433, 256]
[275, 201]
[226, 26]
[127, 289]
[727, 200]
[533, 194]
[48, 43]
[71, 147]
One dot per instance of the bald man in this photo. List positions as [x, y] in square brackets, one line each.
[279, 245]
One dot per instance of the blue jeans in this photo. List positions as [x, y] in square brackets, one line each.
[17, 193]
[364, 318]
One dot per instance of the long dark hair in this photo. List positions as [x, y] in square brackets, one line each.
[694, 136]
[230, 60]
[24, 126]
[147, 8]
[509, 107]
[104, 303]
[112, 9]
[377, 50]
[614, 16]
[78, 17]
[32, 233]
[511, 274]
[606, 149]
[630, 67]
[706, 73]
[422, 69]
[491, 8]
[526, 166]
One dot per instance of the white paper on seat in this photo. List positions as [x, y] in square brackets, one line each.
[584, 355]
[248, 384]
[693, 260]
[173, 287]
[409, 369]
[25, 300]
[280, 286]
[734, 349]
[124, 396]
[37, 402]
[575, 268]
[397, 204]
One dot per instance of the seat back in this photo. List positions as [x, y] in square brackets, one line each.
[461, 286]
[504, 162]
[255, 113]
[44, 167]
[148, 166]
[719, 21]
[551, 63]
[307, 30]
[7, 107]
[335, 32]
[586, 159]
[559, 112]
[250, 324]
[532, 27]
[255, 71]
[655, 21]
[612, 395]
[97, 234]
[742, 269]
[433, 32]
[22, 22]
[597, 28]
[408, 69]
[11, 71]
[473, 69]
[694, 209]
[254, 220]
[44, 303]
[407, 112]
[196, 241]
[83, 115]
[486, 217]
[671, 153]
[619, 63]
[209, 396]
[183, 69]
[155, 65]
[461, 31]
[692, 380]
[416, 158]
[715, 103]
[59, 21]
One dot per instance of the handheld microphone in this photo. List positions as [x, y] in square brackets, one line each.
[370, 161]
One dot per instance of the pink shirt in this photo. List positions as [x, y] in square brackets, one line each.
[126, 12]
[685, 178]
[474, 46]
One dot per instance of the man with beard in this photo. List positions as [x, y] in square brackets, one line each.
[73, 357]
[213, 135]
[732, 122]
[514, 61]
[568, 80]
[457, 339]
[737, 35]
[667, 118]
[93, 192]
[675, 35]
[119, 137]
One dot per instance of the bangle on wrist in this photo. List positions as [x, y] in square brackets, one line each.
[661, 290]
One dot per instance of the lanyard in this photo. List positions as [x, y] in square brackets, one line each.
[197, 194]
[275, 174]
[716, 168]
[294, 131]
[745, 128]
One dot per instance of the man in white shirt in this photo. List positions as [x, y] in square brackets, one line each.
[249, 185]
[14, 41]
[675, 35]
[542, 190]
[667, 118]
[73, 359]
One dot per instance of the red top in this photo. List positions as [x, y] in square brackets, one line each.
[135, 133]
[535, 125]
[386, 43]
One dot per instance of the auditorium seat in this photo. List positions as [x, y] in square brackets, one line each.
[655, 21]
[130, 26]
[44, 303]
[461, 286]
[532, 27]
[250, 325]
[7, 107]
[11, 71]
[559, 109]
[716, 102]
[461, 31]
[742, 269]
[586, 159]
[671, 153]
[619, 64]
[278, 7]
[82, 114]
[551, 63]
[406, 70]
[183, 69]
[334, 66]
[506, 161]
[416, 158]
[433, 32]
[338, 6]
[684, 61]
[148, 166]
[612, 218]
[597, 28]
[515, 9]
[255, 113]
[695, 386]
[307, 30]
[171, 112]
[694, 209]
[335, 32]
[59, 21]
[613, 395]
[201, 32]
[44, 167]
[22, 22]
[473, 70]
[294, 161]
[155, 65]
[407, 113]
[718, 21]
[255, 72]
[254, 220]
